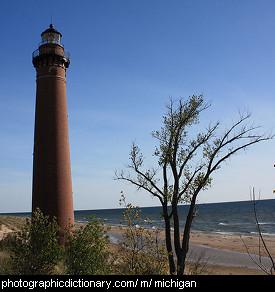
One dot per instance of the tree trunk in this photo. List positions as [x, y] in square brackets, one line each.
[168, 240]
[177, 234]
[186, 236]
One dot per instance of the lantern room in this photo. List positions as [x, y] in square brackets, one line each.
[51, 36]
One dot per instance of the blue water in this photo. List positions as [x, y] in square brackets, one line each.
[219, 218]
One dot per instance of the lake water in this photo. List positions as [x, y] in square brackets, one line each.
[217, 218]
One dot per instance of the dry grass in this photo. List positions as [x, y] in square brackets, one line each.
[12, 222]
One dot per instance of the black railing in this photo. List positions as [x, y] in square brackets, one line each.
[51, 51]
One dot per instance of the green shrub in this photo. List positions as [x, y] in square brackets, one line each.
[86, 249]
[35, 250]
[142, 250]
[5, 263]
[6, 242]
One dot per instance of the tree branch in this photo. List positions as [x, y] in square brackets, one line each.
[139, 185]
[199, 142]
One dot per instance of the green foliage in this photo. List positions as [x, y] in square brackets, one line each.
[35, 249]
[5, 261]
[187, 160]
[87, 249]
[142, 251]
[173, 136]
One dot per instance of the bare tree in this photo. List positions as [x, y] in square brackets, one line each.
[185, 165]
[262, 244]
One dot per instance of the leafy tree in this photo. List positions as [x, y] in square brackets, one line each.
[35, 249]
[186, 164]
[142, 251]
[87, 249]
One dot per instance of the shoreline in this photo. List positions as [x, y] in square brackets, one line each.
[222, 253]
[221, 241]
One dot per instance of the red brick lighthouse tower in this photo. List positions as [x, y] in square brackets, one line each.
[52, 184]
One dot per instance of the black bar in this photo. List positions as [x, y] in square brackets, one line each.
[117, 283]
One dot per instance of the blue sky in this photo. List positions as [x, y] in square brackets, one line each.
[127, 58]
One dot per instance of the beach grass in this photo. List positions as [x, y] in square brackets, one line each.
[12, 222]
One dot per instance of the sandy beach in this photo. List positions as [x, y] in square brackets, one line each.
[223, 254]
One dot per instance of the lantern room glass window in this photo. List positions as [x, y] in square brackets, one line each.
[51, 38]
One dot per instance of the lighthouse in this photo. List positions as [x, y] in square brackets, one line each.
[52, 183]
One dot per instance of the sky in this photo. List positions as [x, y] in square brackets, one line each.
[127, 58]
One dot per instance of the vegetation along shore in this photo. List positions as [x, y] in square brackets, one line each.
[201, 244]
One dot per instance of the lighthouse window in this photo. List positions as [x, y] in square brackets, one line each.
[51, 38]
